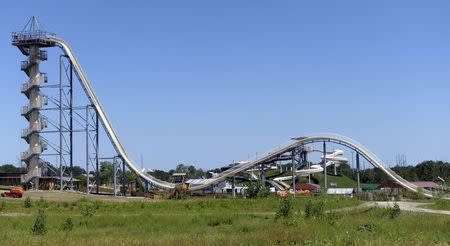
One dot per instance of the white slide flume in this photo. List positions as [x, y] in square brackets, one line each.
[242, 166]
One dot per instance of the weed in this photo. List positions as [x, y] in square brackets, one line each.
[213, 222]
[65, 204]
[42, 203]
[27, 203]
[2, 206]
[40, 223]
[368, 227]
[285, 208]
[263, 192]
[332, 217]
[293, 222]
[188, 206]
[394, 212]
[87, 210]
[67, 225]
[228, 221]
[245, 229]
[314, 209]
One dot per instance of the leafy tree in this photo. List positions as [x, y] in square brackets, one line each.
[8, 168]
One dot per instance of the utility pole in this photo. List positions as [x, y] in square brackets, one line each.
[233, 186]
[325, 165]
[358, 187]
[87, 149]
[293, 171]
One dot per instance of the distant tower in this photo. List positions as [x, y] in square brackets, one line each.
[30, 41]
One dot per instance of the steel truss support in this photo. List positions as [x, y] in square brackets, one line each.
[262, 175]
[64, 126]
[358, 180]
[325, 179]
[124, 178]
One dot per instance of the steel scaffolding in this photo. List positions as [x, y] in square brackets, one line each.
[54, 135]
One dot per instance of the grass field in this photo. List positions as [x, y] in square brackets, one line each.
[215, 222]
[440, 205]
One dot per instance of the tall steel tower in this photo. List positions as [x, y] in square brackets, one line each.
[30, 41]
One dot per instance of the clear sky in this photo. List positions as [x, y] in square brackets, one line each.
[208, 82]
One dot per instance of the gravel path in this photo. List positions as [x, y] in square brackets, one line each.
[412, 207]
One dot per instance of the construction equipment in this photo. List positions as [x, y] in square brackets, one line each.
[16, 192]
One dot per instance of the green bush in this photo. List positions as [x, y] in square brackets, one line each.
[40, 223]
[252, 191]
[2, 206]
[27, 203]
[394, 212]
[88, 210]
[213, 222]
[67, 225]
[285, 208]
[314, 209]
[188, 206]
[42, 203]
[419, 195]
[263, 192]
[180, 194]
[65, 204]
[332, 217]
[255, 190]
[368, 227]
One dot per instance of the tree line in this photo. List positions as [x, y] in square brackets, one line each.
[424, 171]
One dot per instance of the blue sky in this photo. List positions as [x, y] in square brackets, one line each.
[208, 82]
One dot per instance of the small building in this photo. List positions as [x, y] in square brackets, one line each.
[428, 185]
[370, 187]
[227, 187]
[340, 191]
[312, 188]
[10, 179]
[178, 178]
[440, 181]
[390, 184]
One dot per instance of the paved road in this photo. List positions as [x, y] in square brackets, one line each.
[412, 207]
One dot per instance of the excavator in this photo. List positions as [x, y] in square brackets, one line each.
[16, 192]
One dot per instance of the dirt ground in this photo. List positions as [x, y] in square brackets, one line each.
[412, 207]
[73, 196]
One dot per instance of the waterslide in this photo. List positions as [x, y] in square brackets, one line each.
[85, 83]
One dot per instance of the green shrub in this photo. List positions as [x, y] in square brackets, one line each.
[42, 203]
[65, 204]
[380, 197]
[394, 212]
[285, 208]
[27, 203]
[368, 227]
[314, 209]
[213, 222]
[227, 221]
[180, 194]
[263, 192]
[332, 217]
[40, 223]
[255, 190]
[419, 195]
[252, 191]
[88, 210]
[188, 206]
[2, 206]
[245, 229]
[67, 225]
